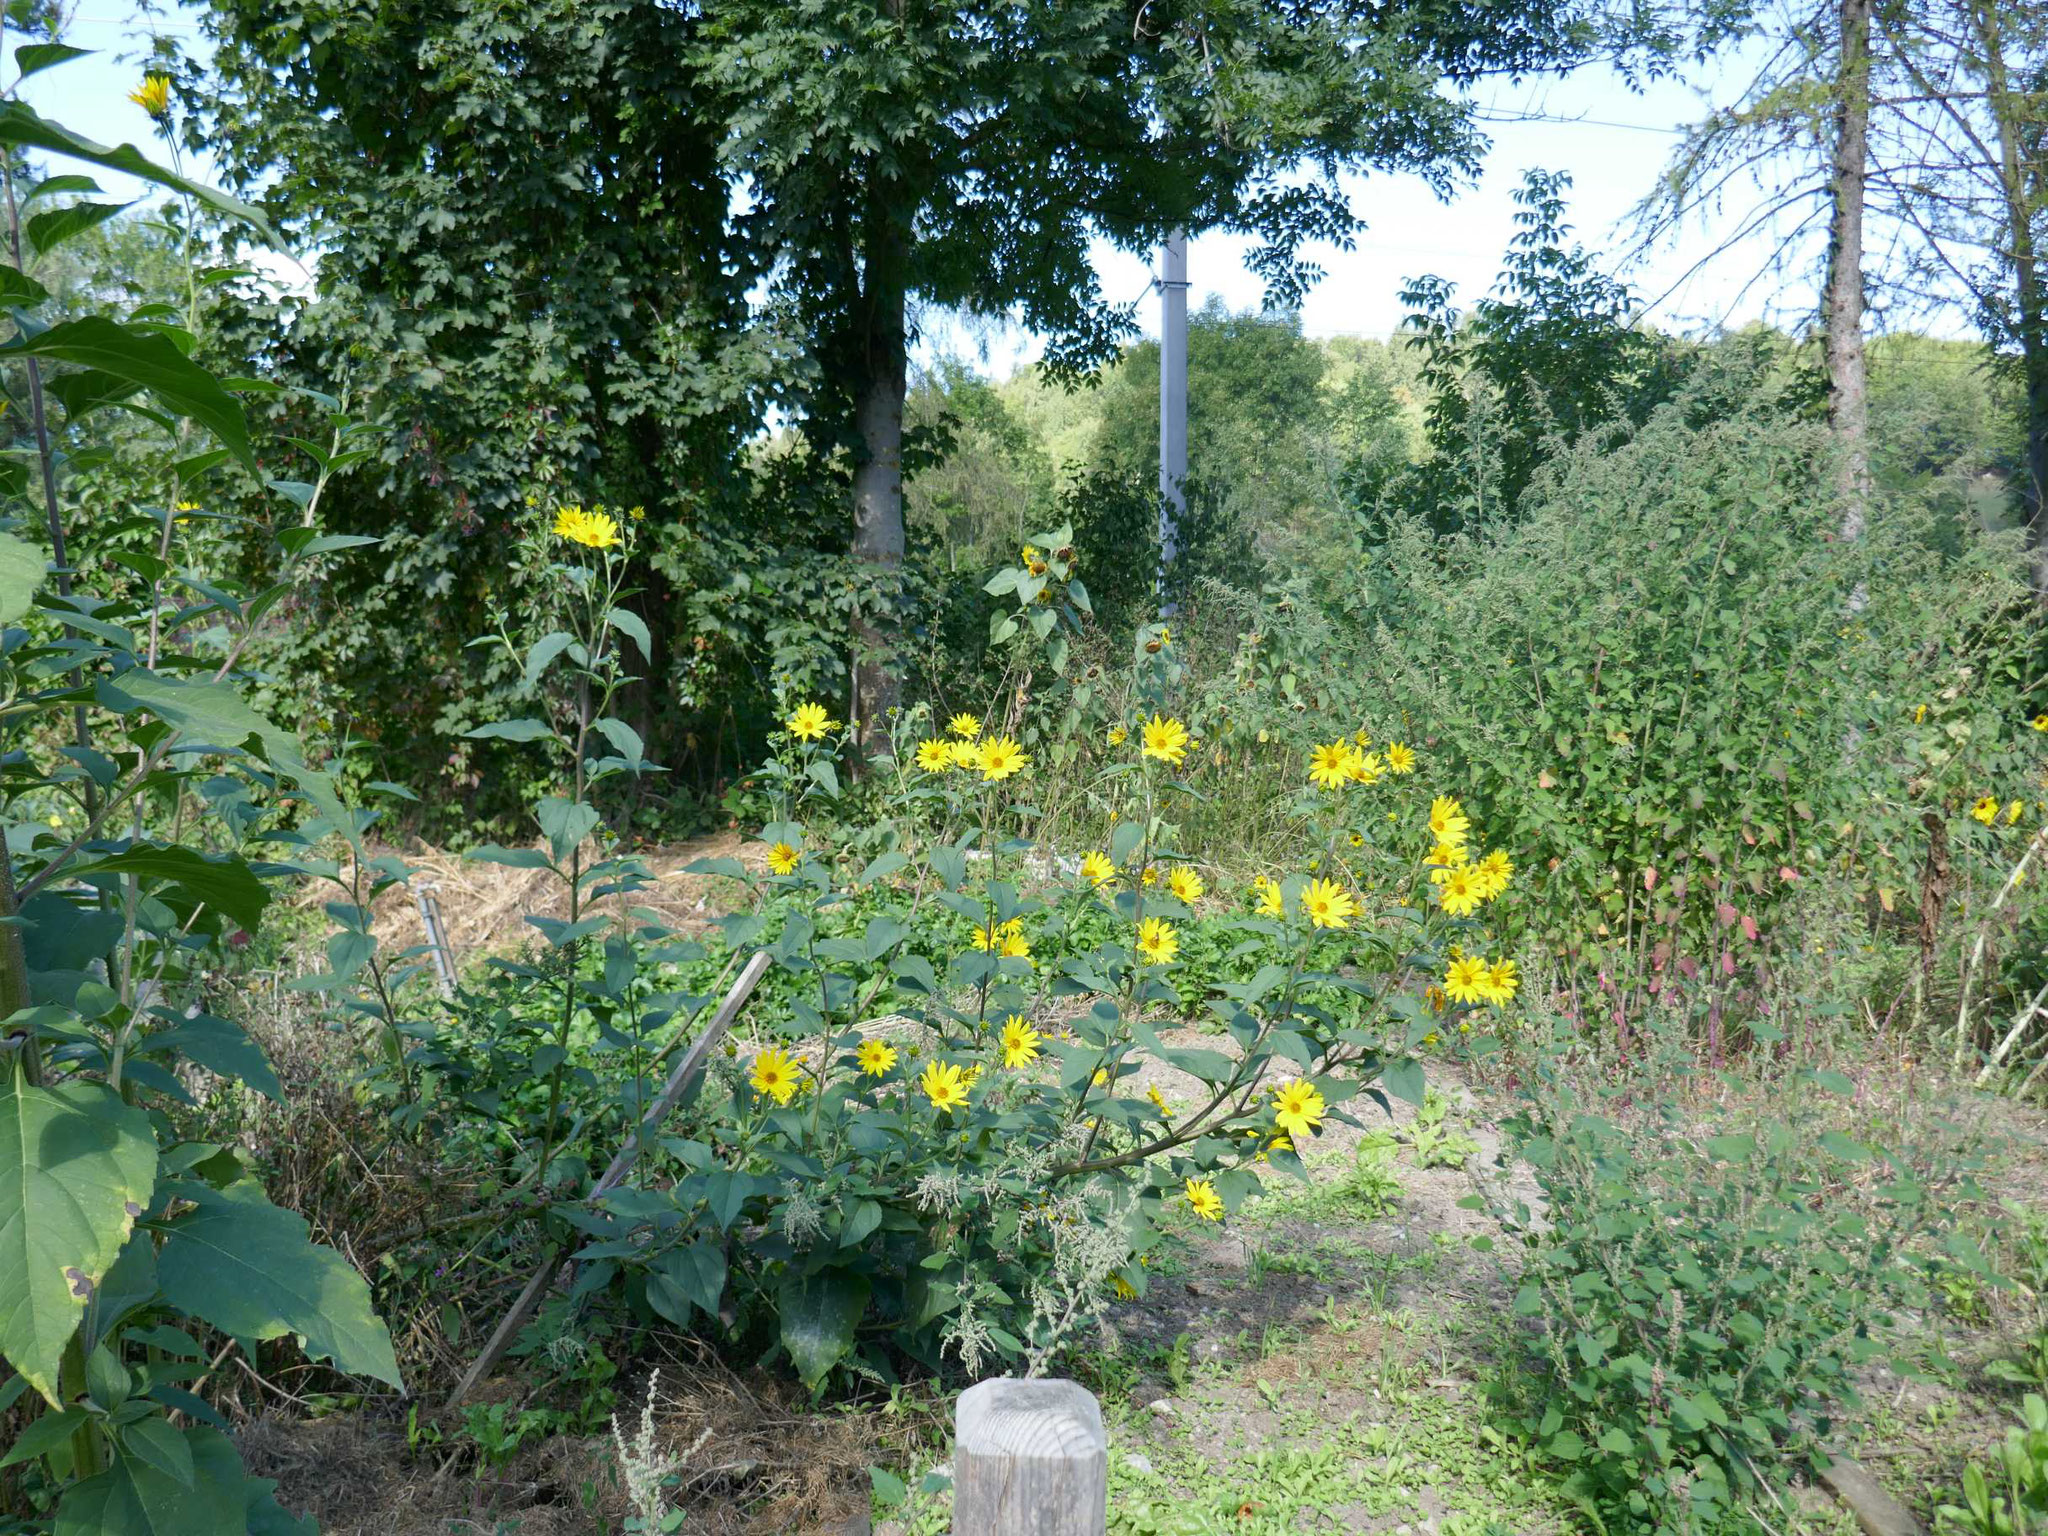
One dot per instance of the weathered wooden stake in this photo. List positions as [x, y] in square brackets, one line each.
[1030, 1458]
[693, 1060]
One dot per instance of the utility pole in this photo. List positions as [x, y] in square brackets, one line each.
[1173, 401]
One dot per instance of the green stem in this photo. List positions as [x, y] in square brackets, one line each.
[86, 1460]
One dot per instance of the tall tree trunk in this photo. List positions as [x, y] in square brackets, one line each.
[2023, 184]
[878, 481]
[1848, 401]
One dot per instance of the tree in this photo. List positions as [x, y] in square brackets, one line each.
[1257, 416]
[1975, 193]
[1916, 131]
[1554, 350]
[525, 274]
[967, 155]
[1842, 304]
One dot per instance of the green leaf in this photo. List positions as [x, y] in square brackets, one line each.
[219, 716]
[222, 881]
[19, 290]
[861, 1224]
[148, 358]
[34, 58]
[626, 621]
[267, 1517]
[222, 1047]
[511, 730]
[1403, 1079]
[544, 652]
[48, 1432]
[565, 823]
[22, 569]
[247, 1267]
[152, 1440]
[692, 1274]
[77, 1167]
[511, 858]
[46, 231]
[22, 124]
[819, 1313]
[138, 1499]
[624, 739]
[1124, 841]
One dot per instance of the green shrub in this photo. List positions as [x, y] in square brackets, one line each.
[2013, 1499]
[1695, 1297]
[937, 1148]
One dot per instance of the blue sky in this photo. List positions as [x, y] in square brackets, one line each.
[1612, 140]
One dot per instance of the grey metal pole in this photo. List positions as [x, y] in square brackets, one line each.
[1173, 397]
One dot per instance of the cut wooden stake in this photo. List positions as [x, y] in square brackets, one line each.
[1030, 1458]
[664, 1103]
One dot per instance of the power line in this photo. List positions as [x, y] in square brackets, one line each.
[1588, 122]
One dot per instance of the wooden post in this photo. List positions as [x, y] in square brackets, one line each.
[551, 1262]
[1030, 1458]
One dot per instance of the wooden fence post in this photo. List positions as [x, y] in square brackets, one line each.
[1030, 1458]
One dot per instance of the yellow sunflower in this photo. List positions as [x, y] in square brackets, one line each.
[153, 96]
[1118, 735]
[1097, 870]
[1444, 858]
[1327, 904]
[1459, 892]
[809, 723]
[1467, 980]
[875, 1058]
[1001, 758]
[1185, 884]
[1501, 981]
[1020, 1042]
[782, 859]
[593, 530]
[966, 727]
[1366, 768]
[935, 756]
[1166, 740]
[1204, 1200]
[945, 1086]
[1448, 822]
[1298, 1108]
[1271, 903]
[2041, 722]
[1330, 767]
[1986, 810]
[1157, 942]
[1494, 872]
[775, 1074]
[1400, 759]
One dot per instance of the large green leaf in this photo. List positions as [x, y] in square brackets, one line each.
[219, 716]
[77, 1166]
[248, 1267]
[134, 1498]
[150, 359]
[22, 124]
[221, 881]
[48, 230]
[222, 1047]
[21, 573]
[819, 1313]
[34, 58]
